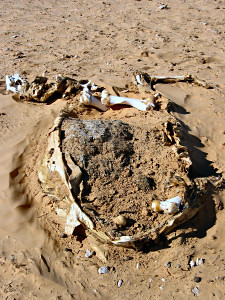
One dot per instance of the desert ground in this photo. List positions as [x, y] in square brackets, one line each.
[106, 41]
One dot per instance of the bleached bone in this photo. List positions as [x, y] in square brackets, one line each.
[72, 220]
[110, 100]
[170, 206]
[15, 83]
[138, 78]
[151, 80]
[88, 99]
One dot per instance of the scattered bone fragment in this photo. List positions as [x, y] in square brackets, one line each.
[72, 221]
[15, 83]
[170, 206]
[192, 263]
[195, 291]
[138, 78]
[89, 253]
[120, 282]
[199, 261]
[110, 100]
[103, 270]
[168, 264]
[163, 6]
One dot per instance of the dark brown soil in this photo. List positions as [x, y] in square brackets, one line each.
[125, 167]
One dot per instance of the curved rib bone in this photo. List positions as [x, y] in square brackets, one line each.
[110, 100]
[87, 99]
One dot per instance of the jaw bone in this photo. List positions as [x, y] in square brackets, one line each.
[110, 100]
[88, 99]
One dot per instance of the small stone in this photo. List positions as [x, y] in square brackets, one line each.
[138, 265]
[195, 291]
[178, 266]
[120, 282]
[103, 270]
[199, 261]
[145, 212]
[89, 253]
[168, 264]
[120, 220]
[12, 258]
[164, 6]
[163, 280]
[197, 279]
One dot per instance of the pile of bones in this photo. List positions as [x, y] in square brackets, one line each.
[87, 161]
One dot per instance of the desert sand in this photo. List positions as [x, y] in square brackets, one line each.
[107, 41]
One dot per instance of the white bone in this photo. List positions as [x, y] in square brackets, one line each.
[138, 78]
[72, 220]
[87, 99]
[94, 87]
[173, 79]
[110, 100]
[170, 206]
[14, 83]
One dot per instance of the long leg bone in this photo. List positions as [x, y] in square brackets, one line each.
[151, 80]
[173, 79]
[87, 99]
[110, 100]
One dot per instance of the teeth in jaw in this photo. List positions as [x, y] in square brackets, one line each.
[87, 99]
[110, 100]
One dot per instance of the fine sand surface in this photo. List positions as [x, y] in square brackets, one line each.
[107, 41]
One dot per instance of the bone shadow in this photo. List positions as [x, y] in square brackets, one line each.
[201, 167]
[178, 109]
[199, 224]
[202, 221]
[206, 217]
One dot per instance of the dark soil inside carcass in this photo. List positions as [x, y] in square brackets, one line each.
[125, 167]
